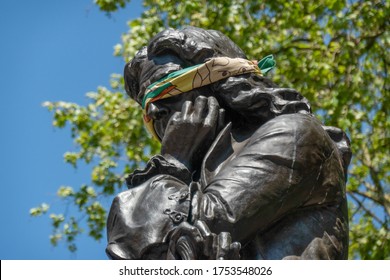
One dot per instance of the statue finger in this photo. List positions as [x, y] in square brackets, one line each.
[221, 119]
[213, 112]
[234, 253]
[208, 237]
[224, 242]
[200, 111]
[187, 110]
[175, 119]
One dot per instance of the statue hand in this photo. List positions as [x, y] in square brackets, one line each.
[191, 242]
[189, 133]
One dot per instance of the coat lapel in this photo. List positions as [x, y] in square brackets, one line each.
[220, 150]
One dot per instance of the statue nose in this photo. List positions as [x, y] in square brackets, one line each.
[156, 111]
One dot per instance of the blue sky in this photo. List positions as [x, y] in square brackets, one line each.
[50, 50]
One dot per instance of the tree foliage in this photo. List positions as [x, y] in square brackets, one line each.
[334, 52]
[111, 5]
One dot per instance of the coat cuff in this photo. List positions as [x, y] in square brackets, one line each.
[159, 165]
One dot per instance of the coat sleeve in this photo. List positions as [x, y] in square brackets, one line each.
[289, 163]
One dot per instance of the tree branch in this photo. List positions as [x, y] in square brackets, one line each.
[382, 223]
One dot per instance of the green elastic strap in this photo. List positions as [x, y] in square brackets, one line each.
[267, 64]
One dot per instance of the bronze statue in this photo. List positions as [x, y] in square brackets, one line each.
[245, 170]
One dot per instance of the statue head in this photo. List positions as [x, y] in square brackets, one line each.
[172, 50]
[247, 97]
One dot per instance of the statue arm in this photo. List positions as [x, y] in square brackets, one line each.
[278, 171]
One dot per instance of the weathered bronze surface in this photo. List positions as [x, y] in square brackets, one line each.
[245, 170]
